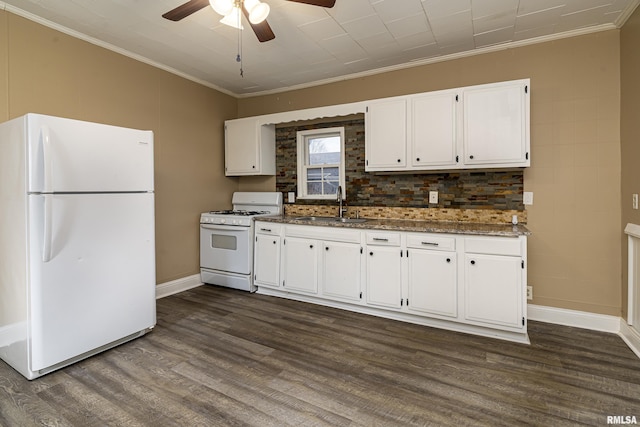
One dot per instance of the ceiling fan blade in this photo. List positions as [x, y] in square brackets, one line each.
[321, 3]
[185, 9]
[263, 30]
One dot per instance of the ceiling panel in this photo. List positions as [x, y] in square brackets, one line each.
[314, 44]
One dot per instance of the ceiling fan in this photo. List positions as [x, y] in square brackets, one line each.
[260, 26]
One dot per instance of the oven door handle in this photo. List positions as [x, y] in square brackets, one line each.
[224, 227]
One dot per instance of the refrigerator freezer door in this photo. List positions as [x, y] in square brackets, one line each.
[68, 155]
[93, 282]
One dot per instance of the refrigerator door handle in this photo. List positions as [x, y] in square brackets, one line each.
[46, 238]
[46, 157]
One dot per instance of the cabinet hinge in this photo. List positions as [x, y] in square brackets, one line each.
[526, 156]
[401, 302]
[407, 253]
[456, 98]
[255, 277]
[407, 302]
[523, 321]
[284, 241]
[283, 283]
[401, 253]
[361, 252]
[367, 162]
[256, 238]
[526, 89]
[367, 109]
[360, 295]
[522, 263]
[457, 159]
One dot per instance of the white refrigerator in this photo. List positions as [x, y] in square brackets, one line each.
[77, 245]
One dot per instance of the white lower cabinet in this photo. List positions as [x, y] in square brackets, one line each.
[432, 282]
[384, 276]
[341, 271]
[267, 255]
[468, 283]
[300, 265]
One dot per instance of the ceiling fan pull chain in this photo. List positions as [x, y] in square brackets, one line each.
[239, 57]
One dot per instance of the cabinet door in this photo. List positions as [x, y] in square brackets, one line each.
[241, 147]
[493, 289]
[300, 265]
[432, 282]
[433, 137]
[267, 260]
[384, 276]
[341, 271]
[386, 135]
[496, 128]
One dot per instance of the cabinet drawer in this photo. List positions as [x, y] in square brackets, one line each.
[386, 239]
[430, 241]
[493, 246]
[268, 228]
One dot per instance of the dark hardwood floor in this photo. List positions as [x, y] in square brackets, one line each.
[220, 357]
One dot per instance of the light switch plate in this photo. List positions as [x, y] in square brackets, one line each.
[635, 201]
[291, 197]
[527, 197]
[433, 197]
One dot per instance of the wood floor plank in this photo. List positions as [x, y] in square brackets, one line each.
[221, 357]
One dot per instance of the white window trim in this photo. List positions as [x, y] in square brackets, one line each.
[302, 180]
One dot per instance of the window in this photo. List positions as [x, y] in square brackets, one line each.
[320, 163]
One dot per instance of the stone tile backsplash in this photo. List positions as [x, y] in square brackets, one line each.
[461, 194]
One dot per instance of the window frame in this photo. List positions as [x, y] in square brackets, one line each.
[302, 147]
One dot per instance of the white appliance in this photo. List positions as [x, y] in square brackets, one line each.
[77, 243]
[226, 239]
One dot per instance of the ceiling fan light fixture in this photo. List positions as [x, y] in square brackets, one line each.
[258, 11]
[232, 19]
[222, 7]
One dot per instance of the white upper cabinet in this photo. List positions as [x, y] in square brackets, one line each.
[496, 124]
[485, 126]
[433, 130]
[249, 147]
[386, 134]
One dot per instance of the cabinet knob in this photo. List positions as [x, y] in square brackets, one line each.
[311, 246]
[326, 248]
[448, 259]
[253, 166]
[371, 253]
[473, 262]
[471, 156]
[399, 160]
[417, 159]
[274, 242]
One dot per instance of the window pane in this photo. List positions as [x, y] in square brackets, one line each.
[314, 188]
[323, 149]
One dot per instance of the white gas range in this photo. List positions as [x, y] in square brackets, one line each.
[226, 239]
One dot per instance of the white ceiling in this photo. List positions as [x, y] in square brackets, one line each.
[313, 44]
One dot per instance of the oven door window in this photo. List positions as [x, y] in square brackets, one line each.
[219, 241]
[226, 248]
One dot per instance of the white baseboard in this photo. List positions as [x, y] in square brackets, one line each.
[630, 336]
[579, 319]
[178, 285]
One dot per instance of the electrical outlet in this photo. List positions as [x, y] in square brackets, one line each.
[529, 292]
[433, 197]
[635, 201]
[527, 197]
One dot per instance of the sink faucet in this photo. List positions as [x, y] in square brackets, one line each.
[341, 210]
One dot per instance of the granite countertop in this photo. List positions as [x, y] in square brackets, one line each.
[505, 230]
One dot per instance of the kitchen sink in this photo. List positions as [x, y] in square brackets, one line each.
[351, 220]
[331, 219]
[317, 218]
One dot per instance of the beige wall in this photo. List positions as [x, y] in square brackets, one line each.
[575, 251]
[629, 130]
[48, 72]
